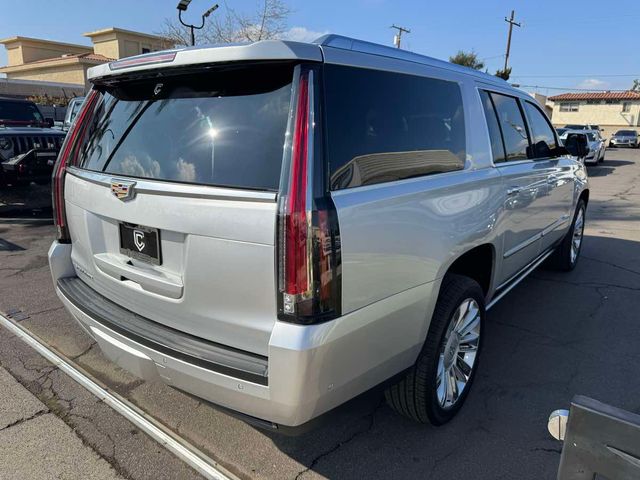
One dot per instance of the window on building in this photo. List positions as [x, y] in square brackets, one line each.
[514, 131]
[594, 102]
[612, 102]
[569, 106]
[543, 139]
[626, 107]
[385, 126]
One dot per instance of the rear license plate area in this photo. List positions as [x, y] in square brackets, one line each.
[141, 243]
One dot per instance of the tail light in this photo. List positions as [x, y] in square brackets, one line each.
[309, 270]
[67, 156]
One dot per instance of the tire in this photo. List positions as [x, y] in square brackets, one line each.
[565, 258]
[417, 395]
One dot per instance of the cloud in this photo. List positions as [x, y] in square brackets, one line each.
[145, 167]
[186, 171]
[302, 34]
[593, 83]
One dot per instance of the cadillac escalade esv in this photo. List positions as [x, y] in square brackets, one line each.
[278, 227]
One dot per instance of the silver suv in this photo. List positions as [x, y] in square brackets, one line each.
[278, 227]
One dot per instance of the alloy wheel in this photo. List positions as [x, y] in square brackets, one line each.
[458, 353]
[576, 240]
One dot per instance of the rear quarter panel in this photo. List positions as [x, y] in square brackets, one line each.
[400, 235]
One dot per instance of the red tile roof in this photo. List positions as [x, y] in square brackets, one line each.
[88, 56]
[628, 95]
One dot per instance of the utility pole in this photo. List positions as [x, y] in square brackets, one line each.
[398, 38]
[511, 23]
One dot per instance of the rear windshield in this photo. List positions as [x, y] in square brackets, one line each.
[225, 127]
[626, 133]
[75, 108]
[20, 111]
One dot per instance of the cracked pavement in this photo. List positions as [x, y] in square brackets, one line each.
[553, 336]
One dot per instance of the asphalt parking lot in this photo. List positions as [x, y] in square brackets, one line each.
[554, 336]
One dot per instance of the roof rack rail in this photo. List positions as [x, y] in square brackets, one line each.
[362, 46]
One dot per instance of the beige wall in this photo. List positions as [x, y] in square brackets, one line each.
[72, 73]
[106, 45]
[601, 114]
[25, 51]
[122, 44]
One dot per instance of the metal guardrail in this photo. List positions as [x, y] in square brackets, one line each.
[600, 441]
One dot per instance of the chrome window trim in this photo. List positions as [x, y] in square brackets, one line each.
[156, 187]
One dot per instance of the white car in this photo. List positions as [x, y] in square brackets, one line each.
[597, 145]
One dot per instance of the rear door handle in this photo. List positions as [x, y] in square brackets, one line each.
[513, 191]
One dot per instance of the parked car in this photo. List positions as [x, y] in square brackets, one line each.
[28, 144]
[624, 138]
[596, 144]
[586, 126]
[72, 110]
[258, 226]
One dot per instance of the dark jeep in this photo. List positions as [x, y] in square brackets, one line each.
[28, 144]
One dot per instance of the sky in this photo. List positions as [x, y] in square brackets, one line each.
[561, 45]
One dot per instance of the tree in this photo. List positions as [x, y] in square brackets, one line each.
[636, 85]
[504, 73]
[268, 21]
[467, 59]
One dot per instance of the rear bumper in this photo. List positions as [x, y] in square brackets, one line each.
[308, 371]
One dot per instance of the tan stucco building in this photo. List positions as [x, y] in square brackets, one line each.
[50, 61]
[612, 111]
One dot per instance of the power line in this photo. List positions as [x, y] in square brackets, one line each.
[578, 75]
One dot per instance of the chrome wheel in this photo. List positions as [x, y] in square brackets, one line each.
[576, 240]
[458, 353]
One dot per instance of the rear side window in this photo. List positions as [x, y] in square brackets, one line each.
[497, 146]
[543, 139]
[384, 126]
[514, 132]
[225, 127]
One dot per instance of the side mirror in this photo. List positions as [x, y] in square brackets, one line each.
[577, 145]
[49, 122]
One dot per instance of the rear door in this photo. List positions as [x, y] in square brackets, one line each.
[558, 202]
[172, 206]
[524, 183]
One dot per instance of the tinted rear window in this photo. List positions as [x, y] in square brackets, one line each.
[514, 132]
[385, 126]
[19, 111]
[225, 127]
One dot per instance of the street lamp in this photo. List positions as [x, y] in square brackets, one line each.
[182, 7]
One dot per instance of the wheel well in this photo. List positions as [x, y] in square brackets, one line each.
[477, 264]
[585, 196]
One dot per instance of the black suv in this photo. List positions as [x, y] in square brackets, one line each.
[28, 144]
